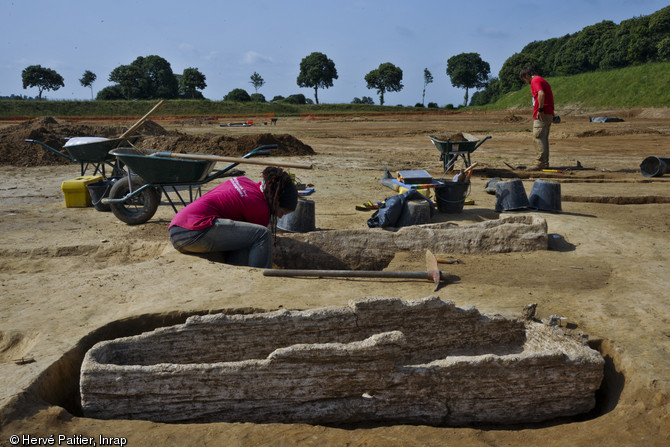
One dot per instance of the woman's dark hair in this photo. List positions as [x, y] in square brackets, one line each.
[279, 191]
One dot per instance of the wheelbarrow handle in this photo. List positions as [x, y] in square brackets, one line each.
[481, 142]
[56, 151]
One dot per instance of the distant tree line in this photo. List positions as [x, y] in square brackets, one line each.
[603, 46]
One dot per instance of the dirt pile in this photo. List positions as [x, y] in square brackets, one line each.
[455, 137]
[224, 145]
[512, 118]
[15, 151]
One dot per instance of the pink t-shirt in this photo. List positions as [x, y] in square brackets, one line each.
[237, 199]
[537, 84]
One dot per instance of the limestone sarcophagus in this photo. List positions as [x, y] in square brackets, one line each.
[377, 360]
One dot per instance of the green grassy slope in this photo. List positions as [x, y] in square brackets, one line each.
[179, 107]
[641, 86]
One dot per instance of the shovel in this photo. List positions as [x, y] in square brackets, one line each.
[284, 164]
[432, 272]
[137, 125]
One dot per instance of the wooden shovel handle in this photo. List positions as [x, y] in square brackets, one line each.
[136, 126]
[240, 160]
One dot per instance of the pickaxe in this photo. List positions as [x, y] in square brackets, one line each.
[432, 272]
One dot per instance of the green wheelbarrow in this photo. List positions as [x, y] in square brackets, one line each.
[134, 199]
[92, 153]
[451, 150]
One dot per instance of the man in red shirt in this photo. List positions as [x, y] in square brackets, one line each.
[543, 114]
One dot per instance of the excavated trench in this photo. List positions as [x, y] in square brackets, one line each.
[60, 383]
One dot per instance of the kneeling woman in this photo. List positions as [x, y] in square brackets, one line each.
[234, 218]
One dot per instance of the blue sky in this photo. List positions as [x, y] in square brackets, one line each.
[230, 40]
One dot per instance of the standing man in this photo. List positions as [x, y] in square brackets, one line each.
[543, 114]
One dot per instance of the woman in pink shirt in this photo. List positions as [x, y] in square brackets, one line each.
[234, 218]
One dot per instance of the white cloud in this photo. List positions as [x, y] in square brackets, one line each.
[252, 57]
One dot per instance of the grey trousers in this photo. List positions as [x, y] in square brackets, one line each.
[541, 136]
[243, 243]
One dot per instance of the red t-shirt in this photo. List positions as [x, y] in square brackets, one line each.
[537, 84]
[237, 199]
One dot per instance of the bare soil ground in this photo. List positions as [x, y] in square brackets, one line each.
[70, 277]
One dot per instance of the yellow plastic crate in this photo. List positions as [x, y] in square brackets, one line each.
[424, 191]
[76, 192]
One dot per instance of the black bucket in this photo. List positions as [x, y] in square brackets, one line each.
[450, 196]
[545, 196]
[302, 220]
[511, 196]
[655, 166]
[100, 190]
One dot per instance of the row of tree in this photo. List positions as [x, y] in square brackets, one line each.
[151, 77]
[602, 46]
[597, 47]
[148, 77]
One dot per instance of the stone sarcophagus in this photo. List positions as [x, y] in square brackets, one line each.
[377, 360]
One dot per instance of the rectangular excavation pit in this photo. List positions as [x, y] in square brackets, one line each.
[377, 360]
[373, 249]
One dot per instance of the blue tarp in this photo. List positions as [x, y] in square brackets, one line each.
[604, 119]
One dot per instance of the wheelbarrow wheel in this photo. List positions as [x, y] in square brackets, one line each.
[138, 208]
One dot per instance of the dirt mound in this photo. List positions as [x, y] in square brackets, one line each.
[224, 145]
[455, 137]
[512, 118]
[151, 128]
[15, 151]
[617, 132]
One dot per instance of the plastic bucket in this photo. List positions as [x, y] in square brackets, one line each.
[414, 212]
[511, 195]
[450, 196]
[655, 166]
[301, 220]
[100, 190]
[545, 196]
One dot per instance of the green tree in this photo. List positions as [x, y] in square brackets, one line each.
[148, 77]
[190, 82]
[386, 78]
[257, 81]
[298, 98]
[129, 78]
[363, 100]
[237, 94]
[468, 70]
[87, 80]
[110, 93]
[509, 73]
[584, 50]
[490, 94]
[316, 71]
[664, 49]
[160, 81]
[427, 79]
[257, 97]
[41, 77]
